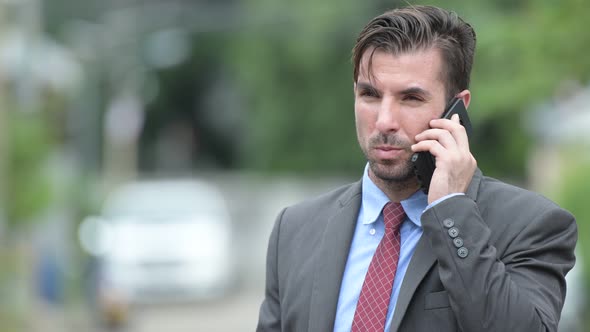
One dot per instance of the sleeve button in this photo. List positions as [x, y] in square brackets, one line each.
[462, 252]
[448, 223]
[453, 232]
[458, 242]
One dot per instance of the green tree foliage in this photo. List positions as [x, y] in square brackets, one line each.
[27, 187]
[296, 72]
[523, 58]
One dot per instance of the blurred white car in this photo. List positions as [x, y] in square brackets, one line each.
[160, 241]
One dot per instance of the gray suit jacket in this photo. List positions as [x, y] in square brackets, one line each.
[519, 248]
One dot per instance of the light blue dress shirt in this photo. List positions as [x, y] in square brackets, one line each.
[367, 235]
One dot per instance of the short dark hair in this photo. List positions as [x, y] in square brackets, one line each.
[417, 28]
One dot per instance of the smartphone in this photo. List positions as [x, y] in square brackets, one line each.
[424, 162]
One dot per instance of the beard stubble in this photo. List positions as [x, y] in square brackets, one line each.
[395, 172]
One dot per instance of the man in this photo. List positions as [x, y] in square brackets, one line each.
[474, 254]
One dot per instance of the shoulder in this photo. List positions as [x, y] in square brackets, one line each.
[494, 193]
[299, 228]
[503, 203]
[323, 204]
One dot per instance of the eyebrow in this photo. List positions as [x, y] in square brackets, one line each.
[366, 86]
[416, 91]
[409, 91]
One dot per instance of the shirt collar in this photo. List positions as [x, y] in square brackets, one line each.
[373, 201]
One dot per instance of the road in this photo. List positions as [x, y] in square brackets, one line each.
[236, 313]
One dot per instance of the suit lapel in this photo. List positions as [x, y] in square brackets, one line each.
[331, 262]
[421, 262]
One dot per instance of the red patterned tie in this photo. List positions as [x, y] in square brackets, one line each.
[371, 309]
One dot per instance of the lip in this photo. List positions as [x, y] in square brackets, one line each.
[388, 151]
[387, 147]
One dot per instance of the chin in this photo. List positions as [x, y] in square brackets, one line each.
[392, 172]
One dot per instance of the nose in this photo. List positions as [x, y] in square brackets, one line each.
[388, 116]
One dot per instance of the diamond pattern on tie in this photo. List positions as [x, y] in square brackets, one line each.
[371, 309]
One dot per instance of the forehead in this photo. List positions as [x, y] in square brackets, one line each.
[422, 67]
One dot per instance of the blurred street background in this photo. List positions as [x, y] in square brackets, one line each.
[146, 146]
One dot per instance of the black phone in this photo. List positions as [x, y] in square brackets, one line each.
[424, 162]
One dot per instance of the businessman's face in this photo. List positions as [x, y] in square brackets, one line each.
[394, 103]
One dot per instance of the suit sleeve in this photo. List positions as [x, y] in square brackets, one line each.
[270, 311]
[520, 289]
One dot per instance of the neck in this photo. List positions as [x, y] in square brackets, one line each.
[396, 190]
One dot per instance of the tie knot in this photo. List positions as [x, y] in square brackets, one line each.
[393, 215]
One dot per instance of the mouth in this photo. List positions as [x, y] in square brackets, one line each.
[386, 152]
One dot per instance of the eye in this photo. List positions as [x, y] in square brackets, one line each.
[368, 93]
[413, 98]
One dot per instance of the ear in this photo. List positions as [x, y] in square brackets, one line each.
[466, 96]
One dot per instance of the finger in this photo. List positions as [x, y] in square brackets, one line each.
[432, 146]
[444, 137]
[455, 128]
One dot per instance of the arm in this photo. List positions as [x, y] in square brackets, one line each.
[519, 285]
[270, 311]
[520, 289]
